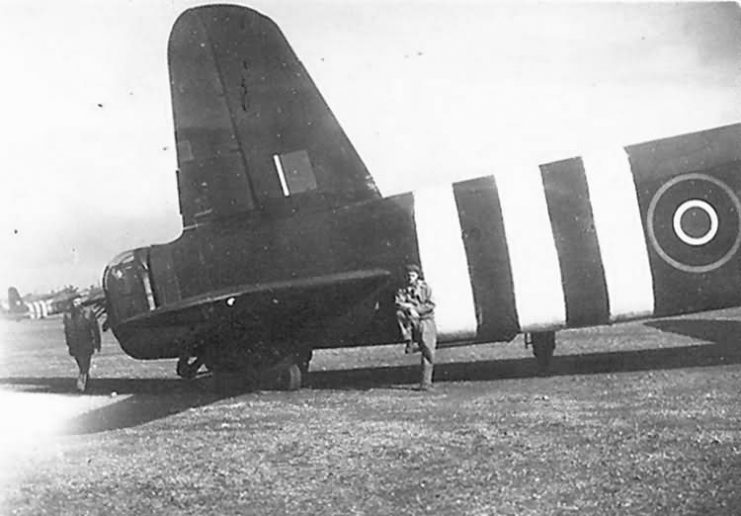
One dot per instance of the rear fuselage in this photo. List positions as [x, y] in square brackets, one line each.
[650, 230]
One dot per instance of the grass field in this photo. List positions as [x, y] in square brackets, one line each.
[635, 419]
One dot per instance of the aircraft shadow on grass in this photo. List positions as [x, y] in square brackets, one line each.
[152, 399]
[724, 337]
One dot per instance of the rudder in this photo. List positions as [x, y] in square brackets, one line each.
[251, 127]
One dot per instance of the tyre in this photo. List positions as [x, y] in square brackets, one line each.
[289, 378]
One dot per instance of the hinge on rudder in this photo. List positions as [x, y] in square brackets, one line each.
[528, 337]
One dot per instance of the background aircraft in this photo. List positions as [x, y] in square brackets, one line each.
[33, 306]
[14, 308]
[287, 245]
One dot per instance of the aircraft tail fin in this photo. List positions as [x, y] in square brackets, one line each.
[252, 130]
[15, 302]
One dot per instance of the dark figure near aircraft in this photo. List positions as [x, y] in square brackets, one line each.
[415, 313]
[287, 245]
[82, 334]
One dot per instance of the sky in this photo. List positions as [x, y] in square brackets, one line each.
[428, 91]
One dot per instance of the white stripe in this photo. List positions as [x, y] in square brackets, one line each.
[536, 274]
[622, 244]
[443, 261]
[281, 174]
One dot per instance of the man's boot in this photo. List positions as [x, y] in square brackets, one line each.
[426, 381]
[81, 382]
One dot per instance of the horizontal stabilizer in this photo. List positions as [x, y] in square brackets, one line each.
[267, 299]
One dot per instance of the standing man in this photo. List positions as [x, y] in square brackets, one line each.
[83, 338]
[415, 313]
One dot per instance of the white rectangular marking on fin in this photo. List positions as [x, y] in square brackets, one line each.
[281, 175]
[444, 261]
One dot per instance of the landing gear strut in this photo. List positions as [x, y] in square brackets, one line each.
[543, 343]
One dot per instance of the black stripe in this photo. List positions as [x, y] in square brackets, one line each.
[582, 273]
[488, 258]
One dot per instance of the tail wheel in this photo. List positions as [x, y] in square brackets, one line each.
[241, 362]
[289, 378]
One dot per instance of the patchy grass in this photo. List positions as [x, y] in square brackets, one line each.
[634, 421]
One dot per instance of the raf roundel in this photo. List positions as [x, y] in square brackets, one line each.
[694, 223]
